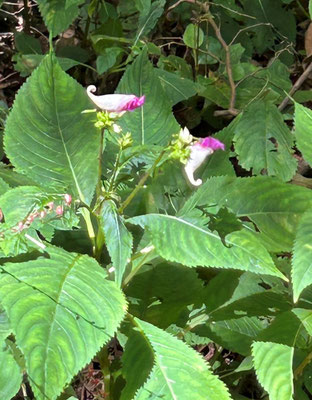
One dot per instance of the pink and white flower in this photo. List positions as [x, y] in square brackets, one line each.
[115, 102]
[199, 152]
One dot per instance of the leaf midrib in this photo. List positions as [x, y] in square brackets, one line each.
[62, 283]
[62, 137]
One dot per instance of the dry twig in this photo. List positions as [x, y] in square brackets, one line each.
[296, 86]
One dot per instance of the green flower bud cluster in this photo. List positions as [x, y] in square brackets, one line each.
[180, 146]
[125, 141]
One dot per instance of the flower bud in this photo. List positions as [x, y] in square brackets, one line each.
[59, 210]
[68, 199]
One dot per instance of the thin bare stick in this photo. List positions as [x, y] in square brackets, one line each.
[296, 86]
[248, 28]
[178, 3]
[228, 66]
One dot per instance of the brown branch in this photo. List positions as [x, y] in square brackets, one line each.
[178, 3]
[296, 86]
[228, 66]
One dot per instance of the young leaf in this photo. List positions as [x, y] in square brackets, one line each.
[263, 141]
[153, 123]
[118, 239]
[303, 128]
[179, 240]
[11, 376]
[273, 365]
[179, 372]
[55, 16]
[302, 256]
[46, 136]
[193, 36]
[58, 324]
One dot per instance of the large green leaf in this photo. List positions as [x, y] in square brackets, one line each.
[58, 324]
[235, 334]
[303, 131]
[263, 141]
[180, 240]
[154, 122]
[257, 198]
[179, 372]
[176, 87]
[137, 363]
[118, 239]
[47, 137]
[11, 375]
[302, 256]
[266, 303]
[149, 18]
[175, 287]
[5, 328]
[58, 14]
[273, 365]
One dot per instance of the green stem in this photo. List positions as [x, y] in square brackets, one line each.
[303, 9]
[135, 270]
[305, 362]
[112, 181]
[105, 367]
[99, 182]
[86, 215]
[141, 183]
[99, 243]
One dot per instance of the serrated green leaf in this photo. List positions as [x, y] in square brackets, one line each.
[176, 87]
[46, 136]
[263, 141]
[137, 363]
[266, 303]
[107, 59]
[310, 8]
[149, 18]
[283, 330]
[58, 14]
[162, 294]
[11, 376]
[302, 256]
[235, 335]
[205, 248]
[13, 178]
[153, 123]
[118, 239]
[273, 365]
[56, 322]
[305, 316]
[5, 328]
[256, 198]
[303, 129]
[179, 372]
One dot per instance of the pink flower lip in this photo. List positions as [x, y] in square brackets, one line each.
[115, 102]
[135, 103]
[212, 143]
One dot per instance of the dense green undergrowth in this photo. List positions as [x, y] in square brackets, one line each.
[108, 252]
